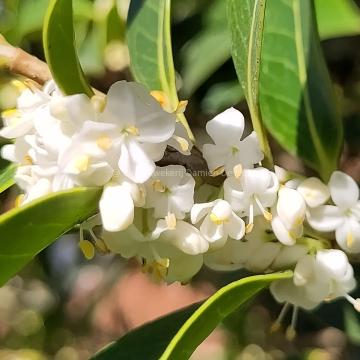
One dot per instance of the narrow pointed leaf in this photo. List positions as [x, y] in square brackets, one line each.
[177, 335]
[284, 72]
[27, 230]
[60, 51]
[7, 177]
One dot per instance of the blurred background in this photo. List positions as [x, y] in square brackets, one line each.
[65, 308]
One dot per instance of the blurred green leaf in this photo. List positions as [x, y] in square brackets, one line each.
[59, 46]
[147, 341]
[7, 177]
[337, 18]
[289, 79]
[149, 41]
[352, 324]
[27, 230]
[246, 19]
[150, 49]
[222, 95]
[204, 53]
[177, 335]
[213, 311]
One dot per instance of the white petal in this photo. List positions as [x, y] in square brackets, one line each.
[227, 127]
[325, 218]
[281, 232]
[334, 262]
[289, 256]
[304, 270]
[215, 156]
[291, 207]
[314, 191]
[236, 227]
[41, 188]
[348, 236]
[134, 162]
[199, 211]
[116, 208]
[344, 190]
[20, 128]
[263, 258]
[212, 231]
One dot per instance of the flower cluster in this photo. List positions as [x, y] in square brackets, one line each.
[173, 223]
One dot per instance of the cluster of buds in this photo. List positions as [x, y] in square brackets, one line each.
[257, 219]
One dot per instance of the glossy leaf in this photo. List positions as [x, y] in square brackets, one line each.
[27, 230]
[337, 18]
[246, 19]
[147, 341]
[213, 311]
[60, 51]
[288, 78]
[7, 177]
[149, 41]
[177, 335]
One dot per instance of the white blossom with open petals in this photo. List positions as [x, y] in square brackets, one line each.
[170, 191]
[228, 150]
[219, 221]
[344, 216]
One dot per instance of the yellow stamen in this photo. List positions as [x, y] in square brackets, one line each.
[184, 145]
[349, 240]
[181, 107]
[101, 246]
[19, 200]
[81, 163]
[104, 142]
[249, 228]
[87, 248]
[160, 96]
[267, 215]
[170, 221]
[28, 160]
[19, 85]
[218, 171]
[158, 186]
[99, 102]
[157, 269]
[216, 220]
[275, 327]
[10, 113]
[290, 333]
[238, 169]
[132, 130]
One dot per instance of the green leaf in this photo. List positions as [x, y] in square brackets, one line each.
[147, 341]
[246, 19]
[27, 230]
[337, 18]
[221, 96]
[284, 75]
[200, 59]
[7, 177]
[352, 324]
[215, 309]
[149, 42]
[177, 335]
[59, 46]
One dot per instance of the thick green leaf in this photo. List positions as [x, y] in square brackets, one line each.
[211, 313]
[148, 341]
[7, 177]
[149, 42]
[200, 59]
[27, 230]
[337, 18]
[59, 46]
[284, 73]
[177, 335]
[246, 18]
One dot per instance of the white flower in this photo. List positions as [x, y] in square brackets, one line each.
[219, 221]
[314, 192]
[324, 276]
[20, 121]
[171, 254]
[142, 126]
[344, 216]
[226, 130]
[117, 203]
[251, 193]
[289, 215]
[170, 191]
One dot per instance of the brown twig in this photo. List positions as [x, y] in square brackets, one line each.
[20, 62]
